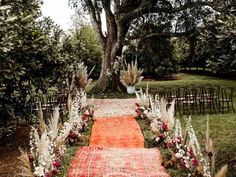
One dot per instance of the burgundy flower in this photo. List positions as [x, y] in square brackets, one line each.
[191, 153]
[194, 162]
[56, 163]
[84, 117]
[72, 135]
[162, 136]
[164, 126]
[138, 111]
[55, 171]
[169, 144]
[31, 157]
[178, 139]
[48, 174]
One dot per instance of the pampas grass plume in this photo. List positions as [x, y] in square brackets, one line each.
[25, 167]
[222, 172]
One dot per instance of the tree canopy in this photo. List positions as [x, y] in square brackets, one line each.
[125, 20]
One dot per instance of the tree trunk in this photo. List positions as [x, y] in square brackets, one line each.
[108, 79]
[112, 48]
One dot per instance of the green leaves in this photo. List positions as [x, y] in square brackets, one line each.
[218, 44]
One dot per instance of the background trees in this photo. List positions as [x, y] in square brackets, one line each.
[217, 44]
[36, 55]
[183, 17]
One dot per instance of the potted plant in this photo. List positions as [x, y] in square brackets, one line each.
[131, 76]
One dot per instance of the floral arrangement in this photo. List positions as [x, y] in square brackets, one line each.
[185, 150]
[157, 116]
[82, 112]
[48, 142]
[142, 106]
[132, 75]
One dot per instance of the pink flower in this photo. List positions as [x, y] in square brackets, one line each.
[56, 163]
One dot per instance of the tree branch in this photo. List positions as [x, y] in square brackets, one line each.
[110, 19]
[96, 20]
[146, 8]
[163, 34]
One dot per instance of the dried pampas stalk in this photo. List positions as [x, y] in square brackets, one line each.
[25, 167]
[69, 104]
[163, 105]
[53, 123]
[213, 162]
[42, 125]
[170, 115]
[209, 143]
[178, 128]
[222, 172]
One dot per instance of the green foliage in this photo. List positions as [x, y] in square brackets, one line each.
[154, 55]
[36, 55]
[217, 44]
[82, 46]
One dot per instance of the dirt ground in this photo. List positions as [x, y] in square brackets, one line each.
[9, 151]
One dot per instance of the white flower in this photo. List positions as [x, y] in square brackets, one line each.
[157, 139]
[39, 171]
[178, 155]
[145, 112]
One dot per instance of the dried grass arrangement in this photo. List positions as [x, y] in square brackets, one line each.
[131, 75]
[81, 77]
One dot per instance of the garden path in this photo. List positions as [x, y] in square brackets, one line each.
[114, 107]
[116, 145]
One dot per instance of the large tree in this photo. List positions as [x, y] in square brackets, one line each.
[119, 14]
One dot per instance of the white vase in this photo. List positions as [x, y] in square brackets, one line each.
[131, 90]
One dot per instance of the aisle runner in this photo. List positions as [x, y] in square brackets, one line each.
[122, 132]
[116, 150]
[117, 162]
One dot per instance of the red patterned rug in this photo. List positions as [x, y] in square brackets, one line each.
[117, 162]
[122, 132]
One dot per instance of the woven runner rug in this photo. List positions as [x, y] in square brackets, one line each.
[117, 150]
[122, 132]
[117, 162]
